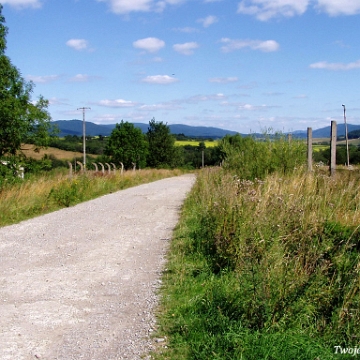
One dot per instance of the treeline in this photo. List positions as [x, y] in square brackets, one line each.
[156, 149]
[128, 145]
[324, 155]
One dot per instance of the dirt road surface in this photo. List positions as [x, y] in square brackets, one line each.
[81, 283]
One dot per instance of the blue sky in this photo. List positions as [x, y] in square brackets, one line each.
[245, 65]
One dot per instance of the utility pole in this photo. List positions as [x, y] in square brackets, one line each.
[84, 134]
[346, 138]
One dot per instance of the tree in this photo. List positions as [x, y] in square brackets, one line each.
[127, 144]
[162, 150]
[20, 119]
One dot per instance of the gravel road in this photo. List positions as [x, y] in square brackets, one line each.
[81, 283]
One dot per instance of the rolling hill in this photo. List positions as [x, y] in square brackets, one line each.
[75, 127]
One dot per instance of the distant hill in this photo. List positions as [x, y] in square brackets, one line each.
[75, 127]
[325, 132]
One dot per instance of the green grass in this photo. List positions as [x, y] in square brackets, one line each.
[264, 269]
[51, 191]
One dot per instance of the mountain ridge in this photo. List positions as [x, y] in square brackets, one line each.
[75, 127]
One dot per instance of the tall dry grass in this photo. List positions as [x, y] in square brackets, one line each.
[51, 191]
[267, 268]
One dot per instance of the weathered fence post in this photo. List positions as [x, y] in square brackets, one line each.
[108, 167]
[102, 167]
[81, 166]
[70, 169]
[333, 148]
[309, 149]
[134, 166]
[96, 167]
[113, 167]
[122, 167]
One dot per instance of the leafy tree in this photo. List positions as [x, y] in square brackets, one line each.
[162, 149]
[127, 144]
[20, 119]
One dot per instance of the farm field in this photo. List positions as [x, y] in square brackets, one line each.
[195, 143]
[28, 151]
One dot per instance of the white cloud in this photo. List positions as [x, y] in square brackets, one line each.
[149, 44]
[250, 107]
[127, 6]
[186, 30]
[22, 3]
[222, 80]
[160, 106]
[201, 98]
[58, 101]
[336, 7]
[266, 9]
[336, 66]
[80, 78]
[209, 20]
[264, 46]
[118, 103]
[160, 79]
[42, 79]
[186, 48]
[77, 44]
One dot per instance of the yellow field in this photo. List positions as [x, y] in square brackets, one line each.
[195, 143]
[28, 151]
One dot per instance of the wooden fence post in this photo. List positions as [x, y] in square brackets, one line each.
[333, 148]
[70, 169]
[309, 149]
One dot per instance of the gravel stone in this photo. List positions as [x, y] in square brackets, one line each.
[82, 282]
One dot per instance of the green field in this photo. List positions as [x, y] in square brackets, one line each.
[195, 143]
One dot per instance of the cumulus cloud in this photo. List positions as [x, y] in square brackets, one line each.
[186, 48]
[335, 66]
[118, 103]
[42, 79]
[149, 44]
[127, 6]
[209, 20]
[336, 7]
[77, 44]
[160, 79]
[264, 46]
[222, 80]
[266, 9]
[23, 3]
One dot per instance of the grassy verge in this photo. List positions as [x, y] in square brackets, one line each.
[55, 190]
[264, 269]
